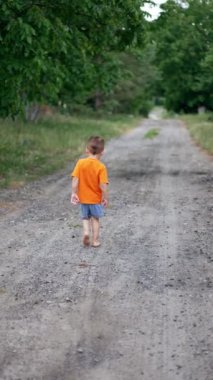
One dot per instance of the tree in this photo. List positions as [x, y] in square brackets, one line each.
[104, 28]
[32, 41]
[184, 39]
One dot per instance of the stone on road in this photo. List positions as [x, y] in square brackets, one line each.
[140, 307]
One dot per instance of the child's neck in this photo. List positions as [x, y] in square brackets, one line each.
[95, 156]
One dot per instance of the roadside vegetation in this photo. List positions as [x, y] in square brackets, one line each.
[28, 151]
[201, 129]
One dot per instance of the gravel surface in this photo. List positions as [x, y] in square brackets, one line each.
[140, 306]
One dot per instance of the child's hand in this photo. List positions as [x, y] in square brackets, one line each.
[105, 202]
[74, 199]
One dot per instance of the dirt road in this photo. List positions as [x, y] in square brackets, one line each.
[141, 306]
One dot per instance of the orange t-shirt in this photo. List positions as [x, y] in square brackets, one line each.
[90, 173]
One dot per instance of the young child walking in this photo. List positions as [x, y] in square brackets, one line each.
[89, 188]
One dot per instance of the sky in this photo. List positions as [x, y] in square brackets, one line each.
[154, 10]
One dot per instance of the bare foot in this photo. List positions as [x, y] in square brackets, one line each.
[96, 244]
[86, 241]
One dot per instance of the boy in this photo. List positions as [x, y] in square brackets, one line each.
[89, 188]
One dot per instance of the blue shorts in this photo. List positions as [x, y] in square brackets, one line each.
[91, 210]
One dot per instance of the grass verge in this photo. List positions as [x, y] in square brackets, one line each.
[201, 129]
[29, 151]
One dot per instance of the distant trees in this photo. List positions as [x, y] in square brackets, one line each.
[136, 88]
[63, 50]
[183, 35]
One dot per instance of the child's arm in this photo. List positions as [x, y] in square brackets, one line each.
[74, 196]
[105, 196]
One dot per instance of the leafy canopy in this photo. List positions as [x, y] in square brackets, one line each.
[52, 49]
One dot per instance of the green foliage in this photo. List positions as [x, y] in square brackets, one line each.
[184, 39]
[137, 82]
[31, 42]
[105, 30]
[63, 50]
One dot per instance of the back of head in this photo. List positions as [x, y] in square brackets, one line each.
[95, 145]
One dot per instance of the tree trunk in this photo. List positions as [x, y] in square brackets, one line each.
[98, 100]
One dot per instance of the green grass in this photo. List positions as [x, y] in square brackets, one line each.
[152, 133]
[29, 151]
[201, 129]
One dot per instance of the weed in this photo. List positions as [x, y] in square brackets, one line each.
[151, 133]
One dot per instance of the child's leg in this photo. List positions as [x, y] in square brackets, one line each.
[86, 231]
[95, 231]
